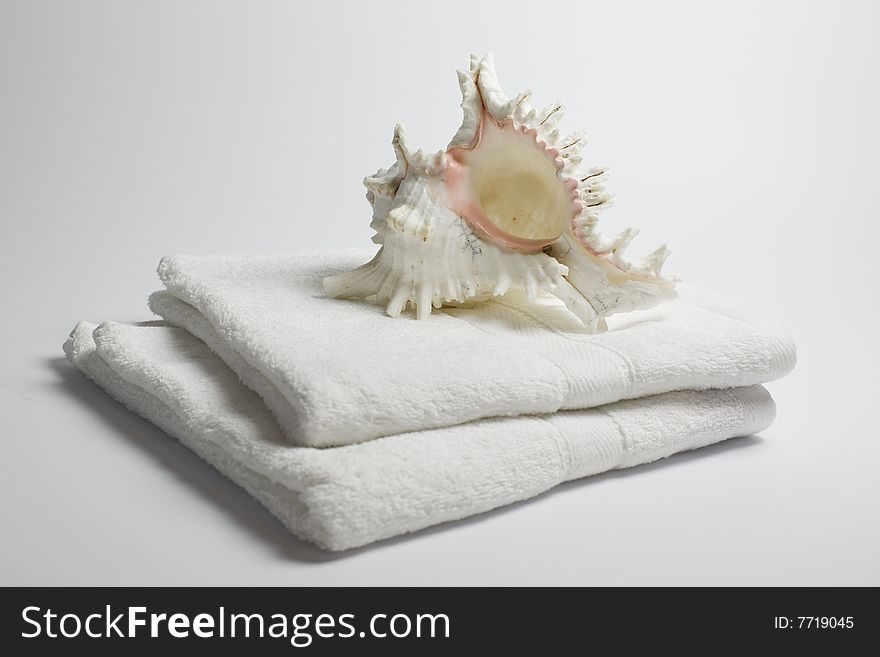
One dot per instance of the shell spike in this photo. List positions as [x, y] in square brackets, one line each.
[597, 199]
[398, 301]
[495, 100]
[572, 161]
[595, 196]
[551, 116]
[594, 175]
[571, 145]
[523, 99]
[401, 143]
[656, 259]
[522, 107]
[424, 302]
[471, 110]
[624, 239]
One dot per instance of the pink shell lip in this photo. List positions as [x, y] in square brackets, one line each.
[474, 214]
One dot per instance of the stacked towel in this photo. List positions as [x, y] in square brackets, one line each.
[257, 372]
[340, 371]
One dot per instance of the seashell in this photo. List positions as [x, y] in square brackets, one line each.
[504, 206]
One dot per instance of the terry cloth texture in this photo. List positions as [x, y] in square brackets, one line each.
[336, 372]
[348, 496]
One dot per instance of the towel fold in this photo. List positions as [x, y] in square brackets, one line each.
[336, 372]
[349, 496]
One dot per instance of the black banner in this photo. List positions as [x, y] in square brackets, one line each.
[432, 621]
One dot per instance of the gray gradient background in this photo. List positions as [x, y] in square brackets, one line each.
[744, 134]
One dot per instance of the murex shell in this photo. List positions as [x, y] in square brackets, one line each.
[504, 206]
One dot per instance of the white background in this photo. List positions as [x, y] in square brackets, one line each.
[746, 135]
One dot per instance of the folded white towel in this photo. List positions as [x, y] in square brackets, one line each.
[340, 371]
[349, 496]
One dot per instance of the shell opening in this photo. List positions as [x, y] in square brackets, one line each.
[508, 185]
